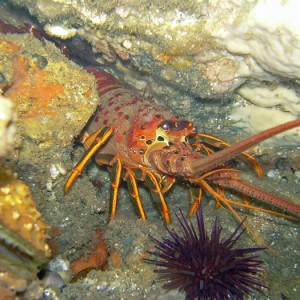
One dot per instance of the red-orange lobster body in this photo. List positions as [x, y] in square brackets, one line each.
[141, 141]
[131, 117]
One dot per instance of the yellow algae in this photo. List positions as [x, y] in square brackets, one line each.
[53, 97]
[23, 233]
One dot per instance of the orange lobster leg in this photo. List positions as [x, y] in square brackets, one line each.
[167, 183]
[115, 177]
[134, 193]
[155, 189]
[99, 138]
[196, 195]
[118, 171]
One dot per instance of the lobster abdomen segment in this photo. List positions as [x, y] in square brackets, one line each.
[105, 81]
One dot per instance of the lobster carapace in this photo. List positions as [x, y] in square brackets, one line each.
[141, 141]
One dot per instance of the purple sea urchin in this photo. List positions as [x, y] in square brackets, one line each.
[206, 267]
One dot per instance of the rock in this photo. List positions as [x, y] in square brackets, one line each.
[205, 49]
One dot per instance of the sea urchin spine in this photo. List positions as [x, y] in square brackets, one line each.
[207, 267]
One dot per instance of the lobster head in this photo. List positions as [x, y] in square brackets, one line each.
[168, 133]
[152, 133]
[174, 131]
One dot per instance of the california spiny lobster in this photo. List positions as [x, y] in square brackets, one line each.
[139, 140]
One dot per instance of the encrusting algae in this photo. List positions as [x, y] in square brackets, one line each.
[44, 89]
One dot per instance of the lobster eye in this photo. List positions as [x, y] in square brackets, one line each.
[195, 129]
[165, 126]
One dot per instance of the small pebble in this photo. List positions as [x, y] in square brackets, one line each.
[2, 78]
[102, 287]
[59, 264]
[271, 174]
[127, 44]
[53, 279]
[54, 172]
[40, 61]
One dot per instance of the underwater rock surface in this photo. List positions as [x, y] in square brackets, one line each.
[23, 232]
[37, 71]
[206, 48]
[55, 98]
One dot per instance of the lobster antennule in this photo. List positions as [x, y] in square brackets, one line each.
[208, 163]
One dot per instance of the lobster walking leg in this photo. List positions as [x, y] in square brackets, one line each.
[134, 192]
[195, 196]
[115, 177]
[158, 196]
[98, 139]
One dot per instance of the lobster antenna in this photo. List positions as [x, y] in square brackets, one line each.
[208, 163]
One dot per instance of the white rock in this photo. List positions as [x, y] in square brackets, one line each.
[260, 118]
[59, 264]
[263, 38]
[60, 31]
[54, 172]
[270, 96]
[7, 126]
[268, 36]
